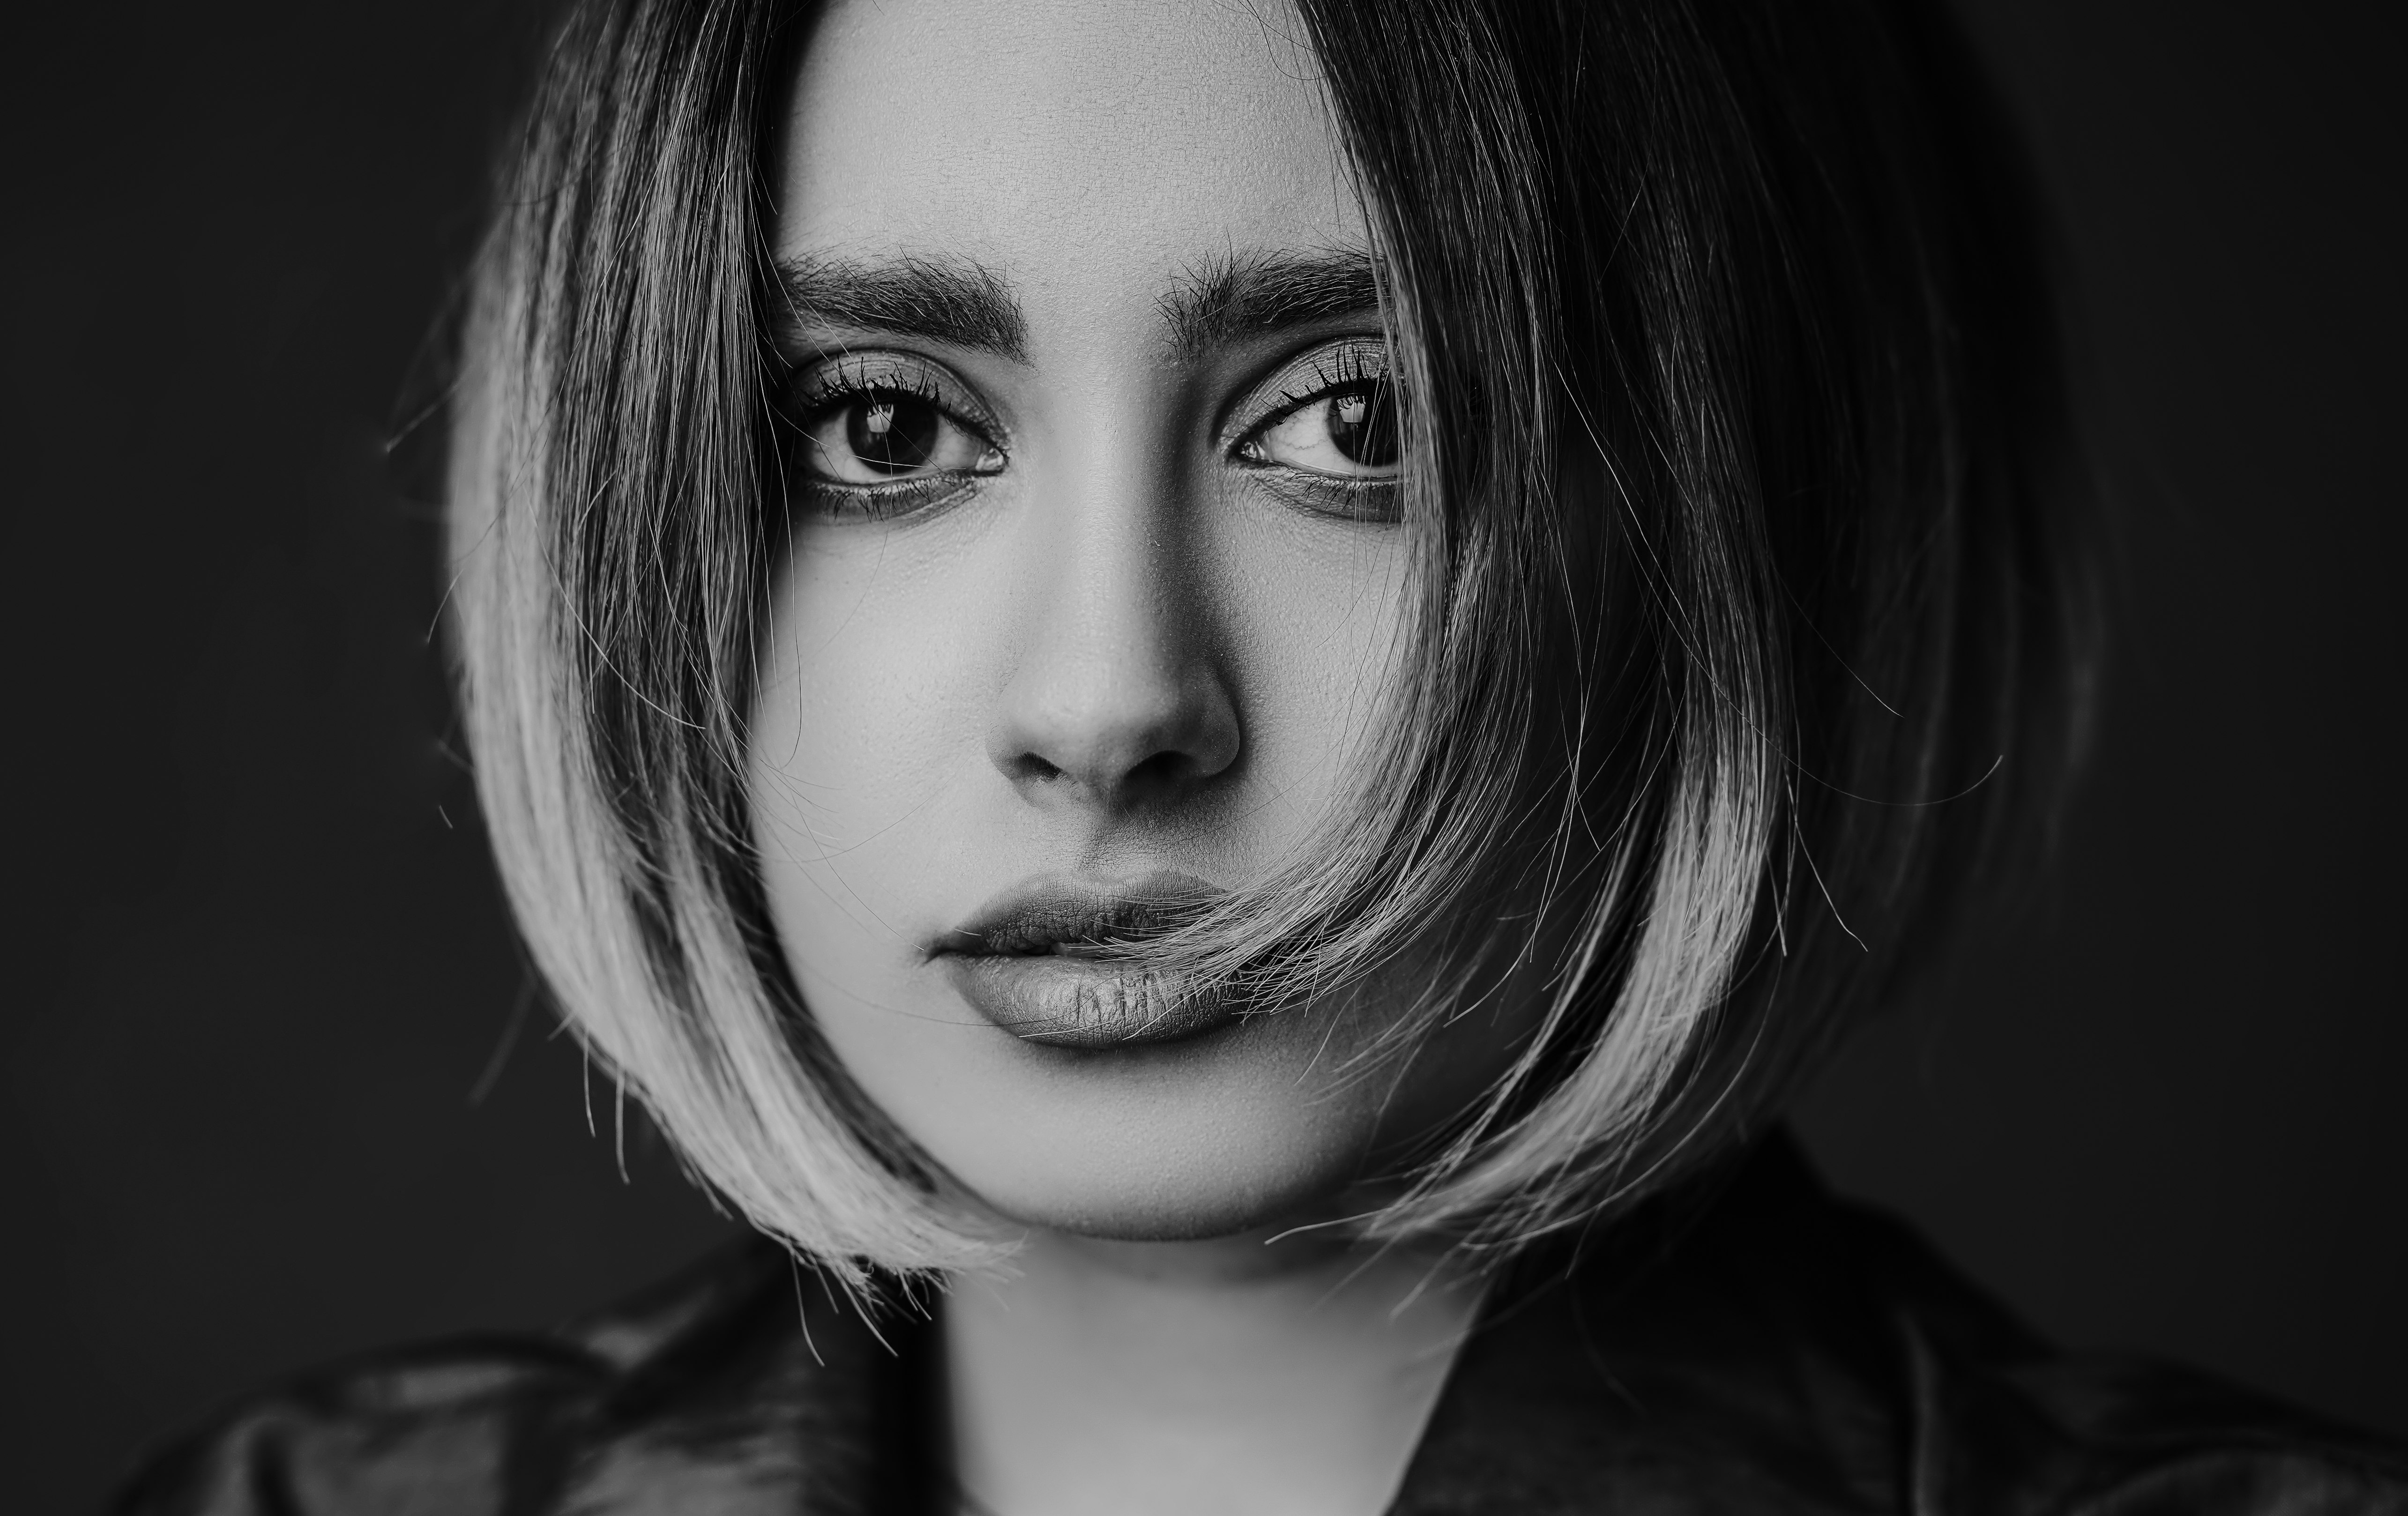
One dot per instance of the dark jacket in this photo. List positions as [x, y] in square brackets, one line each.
[1749, 1345]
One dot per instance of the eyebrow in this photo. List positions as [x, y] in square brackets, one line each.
[966, 305]
[1254, 293]
[945, 300]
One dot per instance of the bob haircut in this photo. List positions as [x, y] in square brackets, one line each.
[1751, 629]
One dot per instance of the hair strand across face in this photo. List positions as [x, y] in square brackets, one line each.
[1750, 630]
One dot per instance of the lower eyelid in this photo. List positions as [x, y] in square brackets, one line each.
[1333, 494]
[901, 498]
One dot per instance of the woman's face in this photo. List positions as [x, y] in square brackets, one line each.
[1094, 589]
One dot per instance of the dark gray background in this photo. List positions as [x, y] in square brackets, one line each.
[257, 971]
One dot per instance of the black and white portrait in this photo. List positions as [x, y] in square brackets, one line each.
[1174, 757]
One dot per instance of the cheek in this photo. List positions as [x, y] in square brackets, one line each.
[1315, 614]
[866, 728]
[887, 652]
[881, 820]
[868, 684]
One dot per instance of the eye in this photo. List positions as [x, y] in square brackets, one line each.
[886, 419]
[1331, 413]
[879, 436]
[1351, 433]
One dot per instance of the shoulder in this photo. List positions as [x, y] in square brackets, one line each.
[1772, 1348]
[728, 1388]
[1987, 1407]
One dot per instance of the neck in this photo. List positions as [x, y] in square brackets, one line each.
[1250, 1373]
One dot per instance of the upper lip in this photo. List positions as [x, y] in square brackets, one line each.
[1064, 913]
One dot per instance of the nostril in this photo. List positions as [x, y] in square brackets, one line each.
[1120, 715]
[1029, 765]
[1165, 773]
[1166, 769]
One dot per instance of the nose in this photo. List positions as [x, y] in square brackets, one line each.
[1117, 700]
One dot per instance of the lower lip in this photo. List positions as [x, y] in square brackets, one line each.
[1068, 1002]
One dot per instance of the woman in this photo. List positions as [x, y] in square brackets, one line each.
[1215, 699]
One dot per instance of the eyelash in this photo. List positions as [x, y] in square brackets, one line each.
[848, 378]
[1325, 372]
[1352, 364]
[1352, 371]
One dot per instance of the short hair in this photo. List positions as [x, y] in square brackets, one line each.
[1726, 696]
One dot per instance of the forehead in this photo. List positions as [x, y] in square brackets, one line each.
[1072, 145]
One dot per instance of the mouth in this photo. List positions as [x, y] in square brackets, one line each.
[1030, 961]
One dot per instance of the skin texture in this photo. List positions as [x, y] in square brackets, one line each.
[1119, 652]
[1118, 643]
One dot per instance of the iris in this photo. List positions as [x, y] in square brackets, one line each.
[893, 434]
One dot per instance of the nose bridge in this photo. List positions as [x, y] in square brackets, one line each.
[1117, 692]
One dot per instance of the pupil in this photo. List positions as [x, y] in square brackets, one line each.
[1363, 427]
[893, 434]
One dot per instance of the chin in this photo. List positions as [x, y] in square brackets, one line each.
[1162, 1207]
[1174, 1199]
[1244, 1127]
